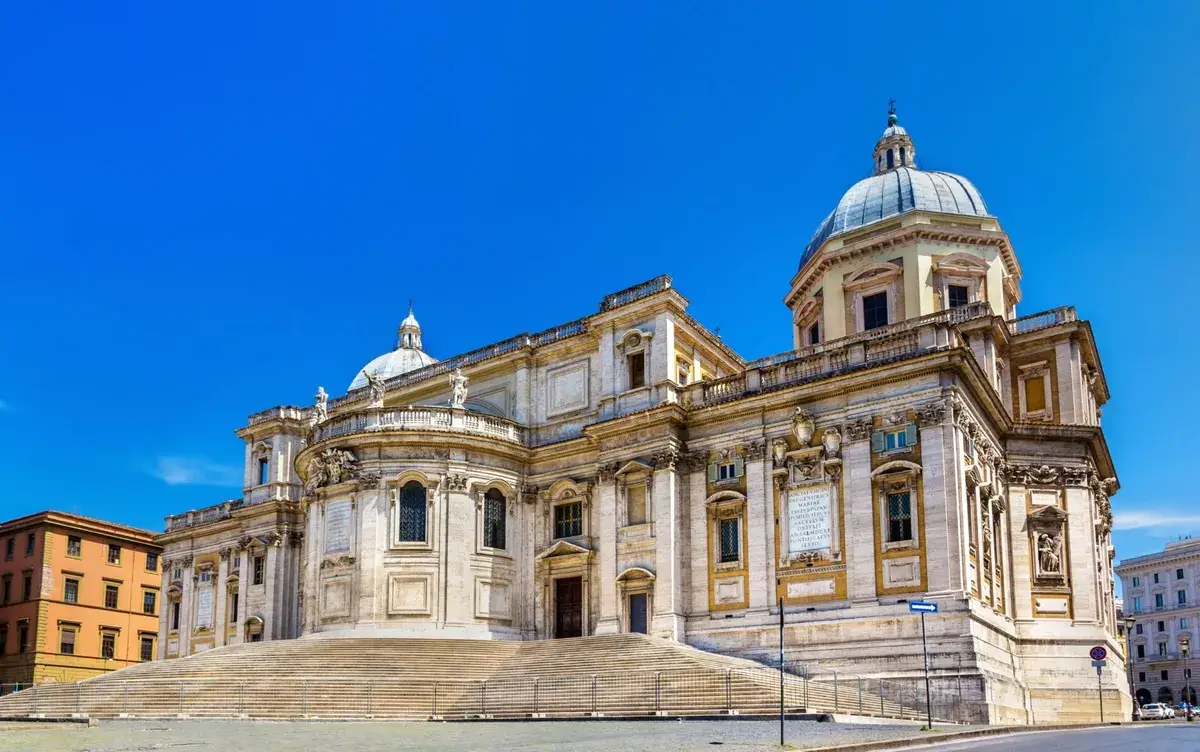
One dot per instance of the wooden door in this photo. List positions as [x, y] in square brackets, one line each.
[568, 607]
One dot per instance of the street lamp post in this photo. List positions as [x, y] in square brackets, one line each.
[1187, 695]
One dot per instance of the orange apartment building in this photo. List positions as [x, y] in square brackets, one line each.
[78, 597]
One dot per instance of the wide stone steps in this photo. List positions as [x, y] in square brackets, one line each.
[391, 678]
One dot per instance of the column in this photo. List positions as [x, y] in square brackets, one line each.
[369, 509]
[860, 522]
[759, 512]
[668, 587]
[695, 465]
[185, 609]
[220, 618]
[164, 608]
[270, 609]
[606, 506]
[990, 535]
[460, 540]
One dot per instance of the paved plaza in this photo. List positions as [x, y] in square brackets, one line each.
[591, 736]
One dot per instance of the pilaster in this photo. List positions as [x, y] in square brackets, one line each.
[758, 512]
[668, 592]
[860, 522]
[606, 567]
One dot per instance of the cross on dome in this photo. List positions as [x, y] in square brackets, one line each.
[895, 147]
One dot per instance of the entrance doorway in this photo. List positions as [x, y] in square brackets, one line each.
[568, 607]
[637, 613]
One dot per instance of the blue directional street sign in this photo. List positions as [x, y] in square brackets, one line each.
[922, 607]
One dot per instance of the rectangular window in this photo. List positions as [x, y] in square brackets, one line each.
[174, 616]
[1137, 582]
[74, 546]
[1137, 604]
[233, 607]
[1141, 651]
[958, 295]
[1156, 578]
[7, 595]
[494, 514]
[875, 311]
[1035, 394]
[236, 564]
[151, 562]
[414, 508]
[66, 641]
[899, 517]
[23, 637]
[1141, 676]
[259, 563]
[1162, 626]
[730, 540]
[635, 504]
[1179, 574]
[1138, 629]
[147, 652]
[1158, 600]
[177, 573]
[637, 370]
[814, 334]
[71, 590]
[27, 588]
[108, 646]
[264, 471]
[726, 471]
[149, 601]
[205, 576]
[1162, 649]
[1181, 597]
[568, 520]
[114, 554]
[10, 548]
[30, 543]
[1163, 675]
[3, 639]
[112, 595]
[1183, 622]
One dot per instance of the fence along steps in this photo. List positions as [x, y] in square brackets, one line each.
[418, 678]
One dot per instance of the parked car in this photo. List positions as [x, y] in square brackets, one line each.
[1156, 711]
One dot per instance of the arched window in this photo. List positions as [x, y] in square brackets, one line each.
[1188, 695]
[903, 156]
[494, 512]
[1165, 695]
[413, 506]
[1143, 697]
[890, 159]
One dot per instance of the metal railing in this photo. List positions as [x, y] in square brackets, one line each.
[701, 691]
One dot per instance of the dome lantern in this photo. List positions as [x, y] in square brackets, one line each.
[409, 334]
[895, 147]
[408, 355]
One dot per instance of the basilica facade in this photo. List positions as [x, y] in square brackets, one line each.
[629, 472]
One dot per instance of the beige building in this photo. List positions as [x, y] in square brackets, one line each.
[1162, 595]
[629, 472]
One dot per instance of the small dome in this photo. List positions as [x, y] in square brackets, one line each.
[408, 355]
[897, 186]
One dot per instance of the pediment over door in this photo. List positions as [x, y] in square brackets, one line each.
[564, 549]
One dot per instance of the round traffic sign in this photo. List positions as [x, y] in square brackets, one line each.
[1098, 653]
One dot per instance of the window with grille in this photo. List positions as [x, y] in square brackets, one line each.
[149, 598]
[568, 520]
[71, 591]
[875, 311]
[111, 595]
[147, 653]
[899, 516]
[66, 641]
[74, 546]
[108, 646]
[494, 519]
[730, 540]
[259, 565]
[413, 508]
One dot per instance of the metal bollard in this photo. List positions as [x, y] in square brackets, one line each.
[835, 692]
[242, 698]
[435, 687]
[728, 691]
[657, 691]
[483, 699]
[125, 698]
[536, 682]
[593, 694]
[860, 707]
[180, 698]
[78, 688]
[304, 698]
[370, 699]
[881, 697]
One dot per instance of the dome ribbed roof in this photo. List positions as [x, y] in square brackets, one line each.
[897, 186]
[408, 355]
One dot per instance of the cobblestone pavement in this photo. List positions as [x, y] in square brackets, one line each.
[590, 736]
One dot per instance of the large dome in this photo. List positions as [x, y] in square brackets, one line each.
[897, 186]
[408, 355]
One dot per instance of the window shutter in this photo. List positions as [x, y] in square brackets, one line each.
[712, 472]
[877, 444]
[739, 466]
[910, 434]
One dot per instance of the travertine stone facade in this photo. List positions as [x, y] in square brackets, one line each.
[629, 472]
[1162, 596]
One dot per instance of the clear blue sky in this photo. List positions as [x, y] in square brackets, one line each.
[207, 211]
